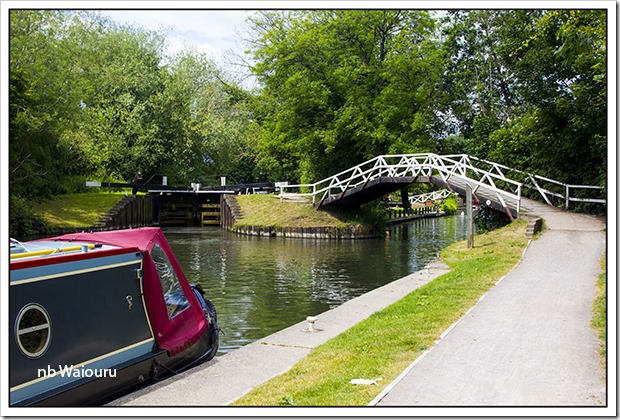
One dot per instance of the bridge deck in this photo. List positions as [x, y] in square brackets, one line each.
[369, 191]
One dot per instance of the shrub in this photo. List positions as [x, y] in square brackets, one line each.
[23, 221]
[449, 205]
[488, 219]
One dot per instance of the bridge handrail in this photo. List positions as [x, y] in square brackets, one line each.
[465, 164]
[352, 173]
[543, 191]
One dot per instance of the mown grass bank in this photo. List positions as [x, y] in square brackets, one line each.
[268, 210]
[388, 341]
[76, 210]
[268, 215]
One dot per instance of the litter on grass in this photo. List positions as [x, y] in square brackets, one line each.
[360, 381]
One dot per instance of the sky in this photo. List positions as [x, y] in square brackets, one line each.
[215, 32]
[211, 31]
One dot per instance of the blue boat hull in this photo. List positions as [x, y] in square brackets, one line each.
[98, 342]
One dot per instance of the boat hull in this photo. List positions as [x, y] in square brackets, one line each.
[90, 326]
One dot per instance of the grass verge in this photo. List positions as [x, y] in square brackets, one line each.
[76, 210]
[388, 341]
[267, 210]
[599, 320]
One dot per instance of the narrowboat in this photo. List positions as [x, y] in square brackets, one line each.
[98, 315]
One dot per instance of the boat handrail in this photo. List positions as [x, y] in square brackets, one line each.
[14, 242]
[55, 250]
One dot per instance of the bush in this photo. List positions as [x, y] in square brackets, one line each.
[488, 219]
[449, 205]
[23, 222]
[72, 185]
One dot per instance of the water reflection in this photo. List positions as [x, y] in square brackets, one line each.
[262, 285]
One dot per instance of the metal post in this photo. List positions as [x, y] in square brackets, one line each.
[470, 216]
[567, 196]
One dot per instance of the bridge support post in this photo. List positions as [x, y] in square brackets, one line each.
[404, 197]
[470, 215]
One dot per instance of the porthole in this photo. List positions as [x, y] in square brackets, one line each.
[33, 330]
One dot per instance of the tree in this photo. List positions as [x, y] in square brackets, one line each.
[528, 89]
[120, 131]
[343, 86]
[206, 115]
[481, 82]
[43, 102]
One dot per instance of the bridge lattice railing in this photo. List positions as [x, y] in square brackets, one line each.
[380, 166]
[552, 192]
[430, 196]
[505, 182]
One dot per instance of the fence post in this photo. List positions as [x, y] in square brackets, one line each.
[470, 216]
[567, 196]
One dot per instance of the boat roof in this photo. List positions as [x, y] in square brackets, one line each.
[141, 238]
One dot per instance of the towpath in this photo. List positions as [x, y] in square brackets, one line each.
[527, 342]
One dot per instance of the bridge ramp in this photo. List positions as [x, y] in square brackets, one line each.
[500, 200]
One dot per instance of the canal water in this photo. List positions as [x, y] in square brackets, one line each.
[261, 285]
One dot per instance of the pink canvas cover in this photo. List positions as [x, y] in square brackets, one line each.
[184, 329]
[141, 238]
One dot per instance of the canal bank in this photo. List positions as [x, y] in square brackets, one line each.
[226, 378]
[221, 381]
[302, 220]
[529, 342]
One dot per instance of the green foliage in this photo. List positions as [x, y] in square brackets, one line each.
[487, 219]
[23, 221]
[449, 205]
[528, 89]
[344, 86]
[90, 99]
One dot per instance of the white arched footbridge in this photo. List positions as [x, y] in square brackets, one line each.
[491, 182]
